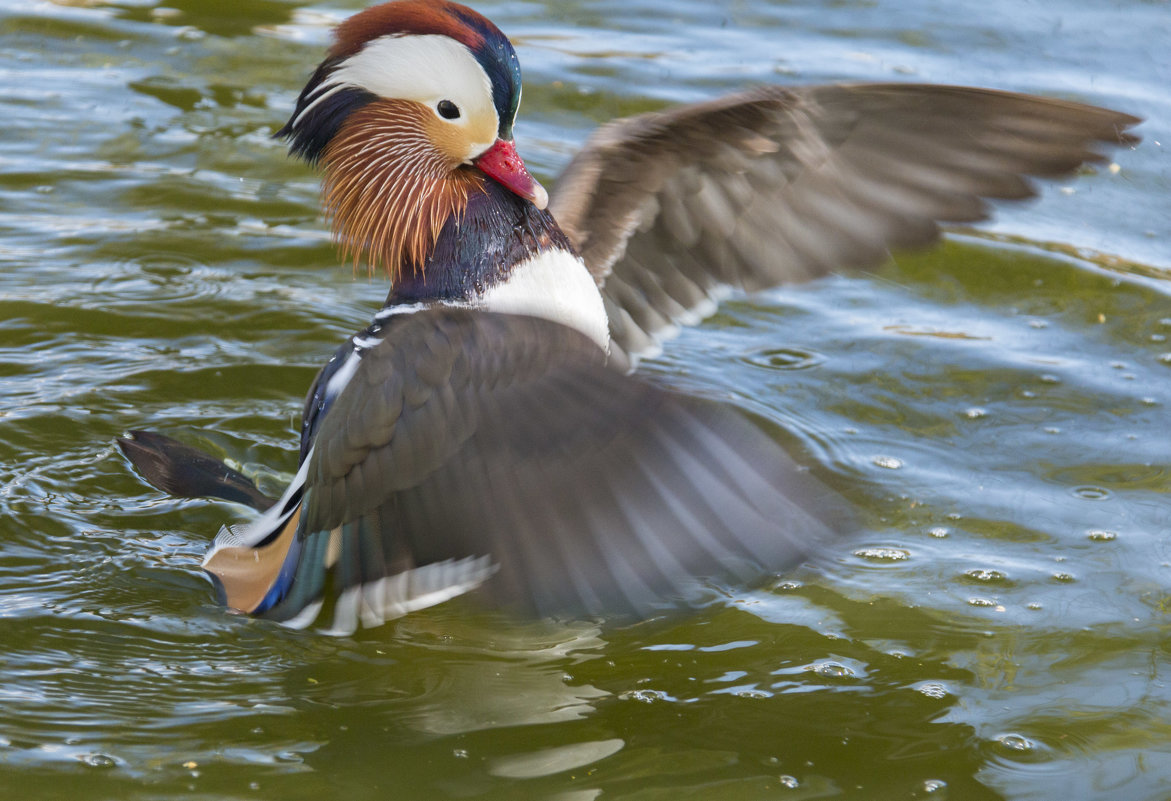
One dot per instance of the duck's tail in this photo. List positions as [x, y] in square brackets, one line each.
[251, 567]
[273, 568]
[187, 472]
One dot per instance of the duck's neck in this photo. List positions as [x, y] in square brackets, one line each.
[503, 254]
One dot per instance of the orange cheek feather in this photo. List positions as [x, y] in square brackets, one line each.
[392, 182]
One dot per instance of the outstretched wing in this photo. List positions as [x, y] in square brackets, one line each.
[778, 185]
[483, 449]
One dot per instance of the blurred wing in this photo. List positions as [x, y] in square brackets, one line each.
[777, 185]
[473, 448]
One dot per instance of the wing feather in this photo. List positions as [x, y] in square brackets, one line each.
[520, 461]
[780, 185]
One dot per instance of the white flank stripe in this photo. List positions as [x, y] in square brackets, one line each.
[345, 613]
[402, 308]
[442, 581]
[366, 343]
[304, 617]
[395, 596]
[409, 591]
[337, 382]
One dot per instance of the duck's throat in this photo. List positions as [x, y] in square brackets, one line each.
[504, 254]
[480, 248]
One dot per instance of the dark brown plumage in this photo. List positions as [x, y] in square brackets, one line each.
[470, 433]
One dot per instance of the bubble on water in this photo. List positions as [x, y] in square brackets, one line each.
[459, 753]
[788, 781]
[645, 696]
[933, 689]
[981, 602]
[752, 694]
[1064, 577]
[1091, 493]
[934, 786]
[1038, 324]
[887, 462]
[939, 532]
[975, 413]
[1102, 535]
[785, 359]
[980, 574]
[833, 670]
[788, 584]
[1048, 378]
[1015, 744]
[103, 761]
[1165, 358]
[883, 554]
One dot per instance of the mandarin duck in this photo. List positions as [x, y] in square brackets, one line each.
[484, 430]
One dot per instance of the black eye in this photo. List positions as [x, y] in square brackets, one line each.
[448, 110]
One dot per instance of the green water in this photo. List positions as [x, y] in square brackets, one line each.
[997, 409]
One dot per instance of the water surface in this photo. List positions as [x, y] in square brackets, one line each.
[997, 409]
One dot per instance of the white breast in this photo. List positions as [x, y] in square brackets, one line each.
[556, 285]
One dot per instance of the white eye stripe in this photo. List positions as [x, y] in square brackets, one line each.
[333, 87]
[426, 69]
[328, 87]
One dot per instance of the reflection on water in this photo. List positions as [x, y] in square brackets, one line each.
[996, 410]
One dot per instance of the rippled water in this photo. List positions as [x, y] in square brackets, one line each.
[998, 409]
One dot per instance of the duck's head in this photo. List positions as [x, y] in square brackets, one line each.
[411, 110]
